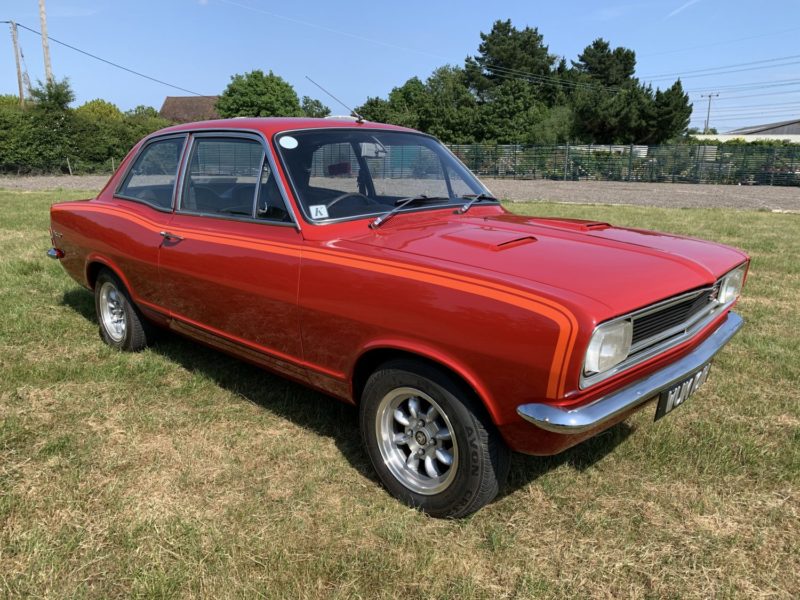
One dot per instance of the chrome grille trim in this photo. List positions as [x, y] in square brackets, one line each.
[669, 338]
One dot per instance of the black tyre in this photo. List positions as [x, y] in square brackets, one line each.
[430, 440]
[121, 325]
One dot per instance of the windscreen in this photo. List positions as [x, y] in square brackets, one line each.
[346, 174]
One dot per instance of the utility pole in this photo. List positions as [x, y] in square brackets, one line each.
[708, 114]
[15, 41]
[48, 69]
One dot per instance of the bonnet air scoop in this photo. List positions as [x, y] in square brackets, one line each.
[489, 238]
[570, 224]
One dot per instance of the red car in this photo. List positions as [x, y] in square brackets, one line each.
[366, 261]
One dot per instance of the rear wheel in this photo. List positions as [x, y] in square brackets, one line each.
[430, 441]
[121, 325]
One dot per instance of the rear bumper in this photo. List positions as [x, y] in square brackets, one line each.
[608, 408]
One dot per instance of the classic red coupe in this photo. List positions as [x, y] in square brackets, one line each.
[366, 261]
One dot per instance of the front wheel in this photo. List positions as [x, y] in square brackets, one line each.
[430, 441]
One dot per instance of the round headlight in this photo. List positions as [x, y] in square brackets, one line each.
[731, 286]
[609, 346]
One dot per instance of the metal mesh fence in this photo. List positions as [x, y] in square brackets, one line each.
[730, 164]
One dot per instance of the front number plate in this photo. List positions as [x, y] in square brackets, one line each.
[680, 392]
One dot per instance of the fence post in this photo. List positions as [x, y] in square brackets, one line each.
[772, 167]
[516, 170]
[566, 160]
[69, 166]
[630, 162]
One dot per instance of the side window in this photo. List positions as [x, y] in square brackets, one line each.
[222, 177]
[152, 177]
[271, 206]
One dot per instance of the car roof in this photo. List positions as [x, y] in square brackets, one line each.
[269, 126]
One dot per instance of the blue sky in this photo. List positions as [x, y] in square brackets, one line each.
[359, 49]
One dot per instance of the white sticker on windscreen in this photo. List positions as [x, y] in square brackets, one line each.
[288, 142]
[318, 211]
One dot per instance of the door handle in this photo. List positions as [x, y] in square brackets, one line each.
[170, 236]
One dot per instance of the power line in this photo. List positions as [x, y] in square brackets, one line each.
[728, 72]
[731, 66]
[108, 62]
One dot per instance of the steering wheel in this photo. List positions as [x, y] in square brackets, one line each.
[352, 195]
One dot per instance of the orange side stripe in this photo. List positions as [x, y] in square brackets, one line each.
[557, 313]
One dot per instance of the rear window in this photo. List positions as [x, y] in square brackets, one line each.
[152, 177]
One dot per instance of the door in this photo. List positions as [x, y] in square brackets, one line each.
[143, 207]
[230, 259]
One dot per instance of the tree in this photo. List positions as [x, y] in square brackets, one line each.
[448, 109]
[376, 109]
[510, 53]
[142, 111]
[606, 66]
[99, 109]
[673, 112]
[255, 94]
[510, 113]
[53, 95]
[313, 108]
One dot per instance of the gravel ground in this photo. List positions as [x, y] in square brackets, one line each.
[53, 182]
[674, 195]
[677, 195]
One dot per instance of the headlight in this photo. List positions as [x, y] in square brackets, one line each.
[731, 285]
[609, 346]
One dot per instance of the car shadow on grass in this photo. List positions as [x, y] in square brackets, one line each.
[326, 416]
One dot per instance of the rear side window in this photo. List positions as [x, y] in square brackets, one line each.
[223, 176]
[152, 177]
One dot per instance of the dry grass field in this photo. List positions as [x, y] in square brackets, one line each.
[179, 472]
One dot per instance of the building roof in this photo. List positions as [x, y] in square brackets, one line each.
[783, 127]
[183, 109]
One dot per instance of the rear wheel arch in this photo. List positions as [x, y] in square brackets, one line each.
[370, 360]
[97, 264]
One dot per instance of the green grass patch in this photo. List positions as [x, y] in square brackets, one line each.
[181, 472]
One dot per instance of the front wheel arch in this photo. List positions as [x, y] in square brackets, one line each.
[373, 358]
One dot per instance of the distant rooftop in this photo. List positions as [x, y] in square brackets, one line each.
[783, 127]
[184, 109]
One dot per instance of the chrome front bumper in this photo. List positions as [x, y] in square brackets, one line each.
[594, 414]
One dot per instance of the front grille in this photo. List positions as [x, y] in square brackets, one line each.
[673, 319]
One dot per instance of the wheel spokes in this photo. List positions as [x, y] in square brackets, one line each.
[443, 434]
[413, 407]
[401, 418]
[430, 467]
[443, 456]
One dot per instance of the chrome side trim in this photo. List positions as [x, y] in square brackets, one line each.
[602, 410]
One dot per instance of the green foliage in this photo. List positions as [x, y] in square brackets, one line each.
[256, 94]
[99, 109]
[42, 136]
[53, 96]
[604, 65]
[515, 91]
[312, 107]
[504, 53]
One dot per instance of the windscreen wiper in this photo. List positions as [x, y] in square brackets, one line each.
[401, 204]
[473, 198]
